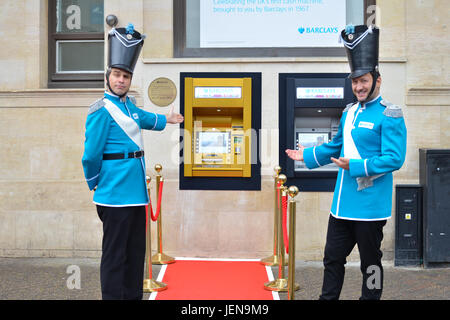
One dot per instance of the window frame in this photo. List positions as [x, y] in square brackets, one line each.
[180, 50]
[69, 79]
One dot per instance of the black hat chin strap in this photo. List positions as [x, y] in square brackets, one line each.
[375, 76]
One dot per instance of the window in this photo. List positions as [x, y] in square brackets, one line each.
[267, 28]
[76, 44]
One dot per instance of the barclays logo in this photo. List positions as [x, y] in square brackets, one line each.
[318, 30]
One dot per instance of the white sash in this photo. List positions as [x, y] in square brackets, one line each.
[128, 125]
[350, 150]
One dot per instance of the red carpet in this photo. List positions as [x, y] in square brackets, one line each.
[214, 280]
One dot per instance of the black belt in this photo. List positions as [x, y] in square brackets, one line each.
[118, 156]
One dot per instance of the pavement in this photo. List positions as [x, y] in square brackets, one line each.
[54, 279]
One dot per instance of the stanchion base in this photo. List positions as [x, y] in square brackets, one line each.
[151, 285]
[279, 285]
[272, 261]
[161, 258]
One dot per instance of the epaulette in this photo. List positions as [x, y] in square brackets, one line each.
[392, 110]
[349, 106]
[96, 106]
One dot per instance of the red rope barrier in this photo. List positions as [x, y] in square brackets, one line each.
[284, 223]
[158, 206]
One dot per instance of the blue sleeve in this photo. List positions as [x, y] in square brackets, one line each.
[97, 129]
[151, 121]
[393, 151]
[321, 155]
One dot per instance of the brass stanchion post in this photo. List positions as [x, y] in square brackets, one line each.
[160, 257]
[292, 286]
[273, 259]
[150, 285]
[279, 284]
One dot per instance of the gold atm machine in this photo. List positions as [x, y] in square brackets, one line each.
[218, 127]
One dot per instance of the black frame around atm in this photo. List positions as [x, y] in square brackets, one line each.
[225, 183]
[307, 180]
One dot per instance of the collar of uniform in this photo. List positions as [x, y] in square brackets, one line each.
[376, 100]
[113, 97]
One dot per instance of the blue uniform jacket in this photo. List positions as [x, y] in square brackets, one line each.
[374, 138]
[119, 182]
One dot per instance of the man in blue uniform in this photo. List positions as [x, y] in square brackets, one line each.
[369, 146]
[114, 166]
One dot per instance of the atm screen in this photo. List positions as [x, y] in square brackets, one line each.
[218, 92]
[213, 142]
[312, 139]
[308, 139]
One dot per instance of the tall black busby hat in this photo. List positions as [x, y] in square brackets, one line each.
[125, 45]
[361, 45]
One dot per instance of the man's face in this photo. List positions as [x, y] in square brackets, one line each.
[120, 81]
[361, 87]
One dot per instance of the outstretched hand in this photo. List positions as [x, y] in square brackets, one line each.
[173, 117]
[343, 163]
[296, 154]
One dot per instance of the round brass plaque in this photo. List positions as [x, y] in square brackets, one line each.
[162, 92]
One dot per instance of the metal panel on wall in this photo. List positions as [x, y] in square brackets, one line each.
[408, 225]
[435, 180]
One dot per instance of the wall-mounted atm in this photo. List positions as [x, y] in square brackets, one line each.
[311, 106]
[217, 142]
[218, 116]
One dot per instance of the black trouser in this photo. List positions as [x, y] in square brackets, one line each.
[342, 235]
[123, 252]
